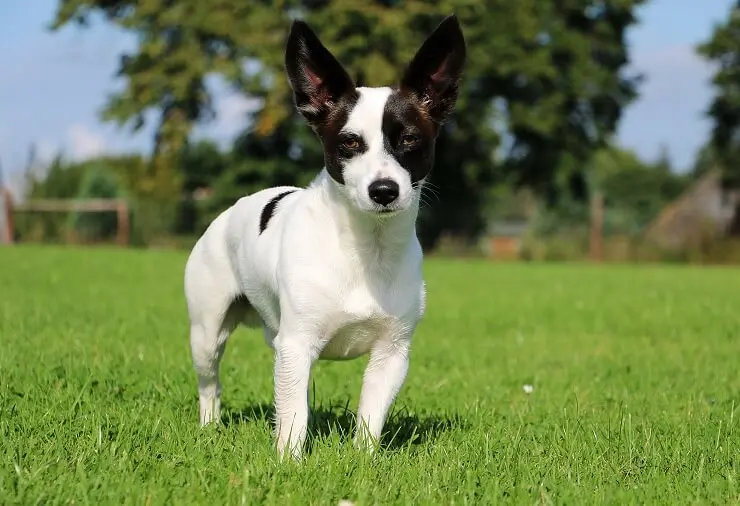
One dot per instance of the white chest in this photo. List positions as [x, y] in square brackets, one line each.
[364, 316]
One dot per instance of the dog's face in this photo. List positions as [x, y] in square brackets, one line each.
[378, 142]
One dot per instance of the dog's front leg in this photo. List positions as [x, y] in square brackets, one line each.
[384, 376]
[293, 360]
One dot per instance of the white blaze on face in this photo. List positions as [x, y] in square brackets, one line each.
[366, 120]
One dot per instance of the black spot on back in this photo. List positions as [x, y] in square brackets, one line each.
[269, 209]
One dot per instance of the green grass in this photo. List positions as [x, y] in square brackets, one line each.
[636, 400]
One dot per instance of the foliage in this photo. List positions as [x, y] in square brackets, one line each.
[253, 164]
[706, 160]
[722, 49]
[543, 89]
[102, 177]
[57, 181]
[199, 164]
[97, 183]
[180, 44]
[635, 191]
[633, 370]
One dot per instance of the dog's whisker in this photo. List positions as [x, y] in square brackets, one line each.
[432, 193]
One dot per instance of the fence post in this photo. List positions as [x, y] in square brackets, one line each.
[123, 223]
[597, 227]
[7, 233]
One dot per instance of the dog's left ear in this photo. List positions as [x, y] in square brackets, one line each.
[318, 80]
[434, 74]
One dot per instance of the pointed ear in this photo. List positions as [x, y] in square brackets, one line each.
[434, 74]
[318, 80]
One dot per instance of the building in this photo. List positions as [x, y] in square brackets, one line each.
[705, 212]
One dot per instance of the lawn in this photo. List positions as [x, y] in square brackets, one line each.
[634, 371]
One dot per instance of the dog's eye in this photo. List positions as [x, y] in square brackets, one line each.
[351, 143]
[409, 140]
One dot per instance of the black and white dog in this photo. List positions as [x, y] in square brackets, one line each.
[332, 271]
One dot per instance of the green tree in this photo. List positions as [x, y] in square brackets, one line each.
[180, 44]
[723, 50]
[200, 163]
[545, 76]
[706, 160]
[635, 191]
[98, 182]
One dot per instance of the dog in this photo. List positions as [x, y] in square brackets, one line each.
[332, 271]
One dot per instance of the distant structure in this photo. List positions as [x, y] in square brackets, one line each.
[705, 212]
[504, 238]
[6, 206]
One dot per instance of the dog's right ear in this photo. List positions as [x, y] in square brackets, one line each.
[318, 80]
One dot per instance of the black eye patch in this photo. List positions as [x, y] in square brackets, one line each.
[350, 144]
[408, 136]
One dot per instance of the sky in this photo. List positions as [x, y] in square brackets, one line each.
[53, 85]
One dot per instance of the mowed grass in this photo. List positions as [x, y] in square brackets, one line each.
[635, 374]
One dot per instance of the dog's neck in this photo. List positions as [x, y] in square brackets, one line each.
[371, 234]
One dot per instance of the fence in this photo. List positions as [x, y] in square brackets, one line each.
[119, 206]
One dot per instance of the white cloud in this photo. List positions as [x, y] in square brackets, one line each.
[84, 143]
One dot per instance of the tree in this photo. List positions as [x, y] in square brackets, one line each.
[545, 75]
[723, 50]
[98, 182]
[570, 107]
[551, 72]
[663, 163]
[634, 190]
[706, 160]
[180, 44]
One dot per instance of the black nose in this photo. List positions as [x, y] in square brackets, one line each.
[383, 191]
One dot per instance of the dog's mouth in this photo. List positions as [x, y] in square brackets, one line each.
[386, 212]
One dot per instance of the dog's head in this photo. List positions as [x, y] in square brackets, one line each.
[378, 142]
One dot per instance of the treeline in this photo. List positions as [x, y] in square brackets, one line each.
[212, 179]
[543, 93]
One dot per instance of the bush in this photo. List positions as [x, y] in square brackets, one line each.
[97, 183]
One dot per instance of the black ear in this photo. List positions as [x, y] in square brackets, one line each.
[318, 80]
[434, 74]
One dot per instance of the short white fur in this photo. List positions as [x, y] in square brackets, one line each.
[333, 275]
[327, 279]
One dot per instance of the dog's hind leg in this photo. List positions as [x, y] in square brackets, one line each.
[215, 309]
[208, 338]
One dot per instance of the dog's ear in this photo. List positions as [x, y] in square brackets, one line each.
[434, 74]
[318, 80]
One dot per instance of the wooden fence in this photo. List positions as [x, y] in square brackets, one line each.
[119, 206]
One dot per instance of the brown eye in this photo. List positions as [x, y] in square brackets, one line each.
[351, 143]
[409, 140]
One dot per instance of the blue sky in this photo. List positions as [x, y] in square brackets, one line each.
[52, 85]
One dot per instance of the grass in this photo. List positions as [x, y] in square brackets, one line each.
[636, 391]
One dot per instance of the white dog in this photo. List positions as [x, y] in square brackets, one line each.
[332, 271]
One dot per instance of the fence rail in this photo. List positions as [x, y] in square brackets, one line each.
[119, 206]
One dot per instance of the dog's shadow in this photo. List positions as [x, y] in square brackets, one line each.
[402, 429]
